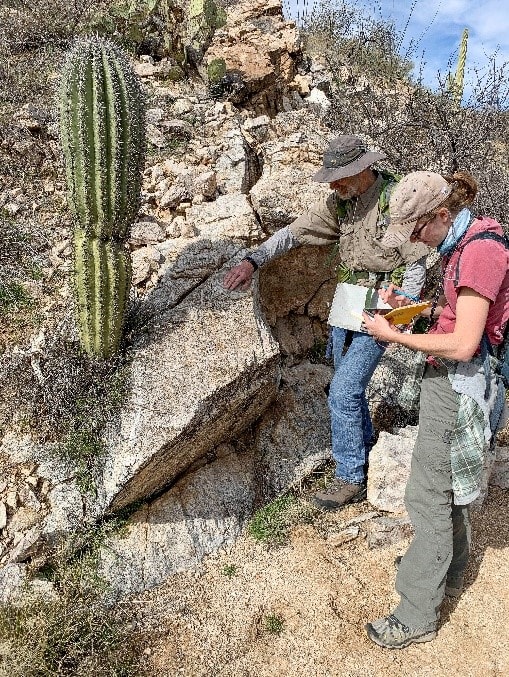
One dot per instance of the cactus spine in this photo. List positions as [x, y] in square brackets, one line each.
[103, 139]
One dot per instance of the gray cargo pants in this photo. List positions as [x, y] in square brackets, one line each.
[440, 547]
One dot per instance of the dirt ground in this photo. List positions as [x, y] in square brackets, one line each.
[319, 596]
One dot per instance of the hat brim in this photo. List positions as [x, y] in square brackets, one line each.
[325, 175]
[397, 234]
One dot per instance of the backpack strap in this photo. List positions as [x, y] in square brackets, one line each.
[389, 181]
[486, 347]
[484, 235]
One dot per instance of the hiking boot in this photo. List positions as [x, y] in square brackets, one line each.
[338, 494]
[392, 634]
[452, 588]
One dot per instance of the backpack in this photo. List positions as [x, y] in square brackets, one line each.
[501, 352]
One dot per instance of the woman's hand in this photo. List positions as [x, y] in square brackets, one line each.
[380, 328]
[389, 295]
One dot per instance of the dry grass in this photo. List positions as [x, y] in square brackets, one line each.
[68, 632]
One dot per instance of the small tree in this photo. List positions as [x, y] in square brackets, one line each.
[416, 127]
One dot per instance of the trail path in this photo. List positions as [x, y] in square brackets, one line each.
[207, 623]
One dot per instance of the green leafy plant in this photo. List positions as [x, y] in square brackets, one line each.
[229, 570]
[102, 132]
[216, 70]
[274, 624]
[397, 276]
[272, 523]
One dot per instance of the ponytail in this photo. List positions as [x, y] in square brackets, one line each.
[464, 190]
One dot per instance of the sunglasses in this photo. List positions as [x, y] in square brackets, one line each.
[417, 231]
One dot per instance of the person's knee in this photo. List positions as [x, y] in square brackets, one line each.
[346, 384]
[342, 399]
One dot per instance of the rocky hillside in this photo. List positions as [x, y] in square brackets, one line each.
[218, 404]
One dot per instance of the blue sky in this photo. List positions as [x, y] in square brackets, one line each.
[486, 20]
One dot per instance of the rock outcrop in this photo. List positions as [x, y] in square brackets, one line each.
[389, 469]
[208, 507]
[258, 50]
[224, 409]
[201, 373]
[205, 363]
[202, 512]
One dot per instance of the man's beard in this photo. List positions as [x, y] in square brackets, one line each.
[347, 192]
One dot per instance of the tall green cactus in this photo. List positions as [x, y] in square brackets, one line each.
[456, 82]
[103, 138]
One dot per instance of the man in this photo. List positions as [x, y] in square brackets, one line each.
[353, 217]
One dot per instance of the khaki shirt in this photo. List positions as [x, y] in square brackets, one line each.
[357, 234]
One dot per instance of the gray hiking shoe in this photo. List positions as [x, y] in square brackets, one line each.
[338, 494]
[452, 588]
[392, 634]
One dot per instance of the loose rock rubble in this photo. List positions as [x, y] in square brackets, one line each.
[223, 399]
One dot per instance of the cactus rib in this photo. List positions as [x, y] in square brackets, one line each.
[102, 131]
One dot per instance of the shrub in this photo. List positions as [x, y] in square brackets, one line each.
[33, 37]
[360, 46]
[19, 264]
[70, 400]
[272, 523]
[71, 633]
[377, 94]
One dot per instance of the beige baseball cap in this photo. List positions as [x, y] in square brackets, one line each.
[415, 196]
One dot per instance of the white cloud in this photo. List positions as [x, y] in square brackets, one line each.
[488, 24]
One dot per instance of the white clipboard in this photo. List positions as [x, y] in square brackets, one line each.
[348, 303]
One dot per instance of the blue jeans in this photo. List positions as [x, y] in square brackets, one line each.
[352, 430]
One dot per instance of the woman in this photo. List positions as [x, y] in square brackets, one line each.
[462, 399]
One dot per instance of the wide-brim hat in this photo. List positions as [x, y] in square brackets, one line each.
[417, 195]
[345, 156]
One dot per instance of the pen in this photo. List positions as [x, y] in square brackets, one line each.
[400, 292]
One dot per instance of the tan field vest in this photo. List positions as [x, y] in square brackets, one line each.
[357, 232]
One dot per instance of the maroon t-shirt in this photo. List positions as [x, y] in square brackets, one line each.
[483, 267]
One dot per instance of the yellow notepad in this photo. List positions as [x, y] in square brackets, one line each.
[402, 315]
